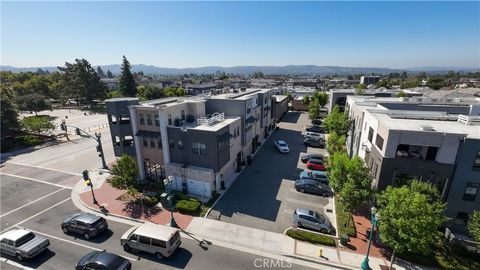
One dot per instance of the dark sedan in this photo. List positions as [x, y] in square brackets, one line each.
[86, 224]
[315, 128]
[102, 260]
[311, 156]
[314, 187]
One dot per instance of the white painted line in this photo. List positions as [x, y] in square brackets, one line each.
[305, 203]
[25, 205]
[288, 211]
[35, 180]
[13, 263]
[40, 167]
[39, 213]
[73, 242]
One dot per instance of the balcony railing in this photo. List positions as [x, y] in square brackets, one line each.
[469, 119]
[216, 117]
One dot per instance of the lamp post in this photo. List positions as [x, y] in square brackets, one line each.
[374, 218]
[169, 188]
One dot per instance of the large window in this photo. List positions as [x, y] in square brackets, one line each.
[157, 120]
[379, 142]
[370, 134]
[471, 191]
[476, 162]
[142, 120]
[152, 143]
[149, 119]
[198, 148]
[145, 142]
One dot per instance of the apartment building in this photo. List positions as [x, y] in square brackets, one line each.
[432, 140]
[369, 79]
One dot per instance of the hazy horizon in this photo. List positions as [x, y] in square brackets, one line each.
[397, 35]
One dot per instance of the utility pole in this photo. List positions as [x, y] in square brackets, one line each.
[89, 183]
[97, 137]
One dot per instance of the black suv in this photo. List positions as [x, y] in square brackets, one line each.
[101, 260]
[85, 224]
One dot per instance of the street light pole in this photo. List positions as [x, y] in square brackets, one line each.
[100, 149]
[169, 186]
[374, 218]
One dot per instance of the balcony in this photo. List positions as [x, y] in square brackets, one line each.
[215, 118]
[416, 152]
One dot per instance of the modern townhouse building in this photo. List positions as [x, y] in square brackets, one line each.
[369, 79]
[279, 107]
[438, 141]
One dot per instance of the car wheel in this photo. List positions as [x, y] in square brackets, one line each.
[19, 257]
[324, 194]
[159, 255]
[86, 236]
[65, 230]
[302, 190]
[299, 225]
[323, 230]
[126, 247]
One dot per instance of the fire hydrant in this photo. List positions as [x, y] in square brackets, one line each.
[320, 253]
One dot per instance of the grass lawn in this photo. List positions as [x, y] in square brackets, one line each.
[342, 220]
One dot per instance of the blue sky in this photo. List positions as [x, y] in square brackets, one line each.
[187, 34]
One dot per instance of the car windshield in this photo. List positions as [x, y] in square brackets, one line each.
[97, 222]
[24, 239]
[282, 144]
[174, 238]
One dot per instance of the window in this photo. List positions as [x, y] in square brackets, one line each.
[152, 143]
[379, 142]
[431, 153]
[149, 119]
[144, 240]
[471, 191]
[159, 143]
[172, 144]
[182, 114]
[157, 120]
[113, 119]
[198, 148]
[249, 110]
[370, 134]
[145, 142]
[476, 162]
[169, 119]
[180, 144]
[124, 119]
[441, 181]
[159, 243]
[462, 218]
[142, 120]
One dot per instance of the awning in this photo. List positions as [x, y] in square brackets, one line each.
[251, 119]
[148, 134]
[225, 136]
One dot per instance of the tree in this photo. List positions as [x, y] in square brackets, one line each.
[33, 102]
[100, 72]
[321, 97]
[128, 86]
[401, 94]
[109, 74]
[289, 96]
[37, 85]
[409, 221]
[9, 114]
[435, 82]
[37, 124]
[335, 143]
[306, 100]
[337, 170]
[383, 83]
[337, 121]
[314, 109]
[474, 225]
[124, 172]
[173, 91]
[427, 189]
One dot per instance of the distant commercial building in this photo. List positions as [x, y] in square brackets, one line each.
[195, 89]
[279, 107]
[369, 80]
[438, 141]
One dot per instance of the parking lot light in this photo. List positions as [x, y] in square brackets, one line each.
[375, 217]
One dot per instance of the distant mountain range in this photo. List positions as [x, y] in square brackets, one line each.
[243, 70]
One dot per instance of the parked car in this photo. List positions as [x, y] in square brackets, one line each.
[282, 146]
[314, 187]
[316, 121]
[22, 243]
[314, 135]
[314, 143]
[313, 220]
[311, 156]
[102, 260]
[315, 128]
[159, 240]
[315, 164]
[314, 175]
[86, 224]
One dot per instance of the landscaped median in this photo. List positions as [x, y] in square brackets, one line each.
[311, 237]
[345, 224]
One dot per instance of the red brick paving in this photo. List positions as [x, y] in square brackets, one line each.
[107, 195]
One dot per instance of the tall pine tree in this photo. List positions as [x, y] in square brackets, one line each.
[128, 87]
[109, 74]
[100, 72]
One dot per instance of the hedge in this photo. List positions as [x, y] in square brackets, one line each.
[150, 200]
[313, 238]
[190, 206]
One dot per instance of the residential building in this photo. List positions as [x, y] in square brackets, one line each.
[120, 125]
[279, 107]
[203, 88]
[369, 80]
[432, 140]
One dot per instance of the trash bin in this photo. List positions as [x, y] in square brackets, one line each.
[249, 159]
[344, 240]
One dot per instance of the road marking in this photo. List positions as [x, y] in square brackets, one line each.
[306, 203]
[13, 263]
[288, 211]
[40, 167]
[73, 242]
[25, 205]
[37, 214]
[35, 180]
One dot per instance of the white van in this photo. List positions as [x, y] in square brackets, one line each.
[159, 240]
[314, 136]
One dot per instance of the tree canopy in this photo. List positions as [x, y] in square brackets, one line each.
[474, 226]
[37, 124]
[33, 102]
[128, 87]
[337, 121]
[124, 172]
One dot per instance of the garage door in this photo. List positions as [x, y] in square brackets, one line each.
[198, 188]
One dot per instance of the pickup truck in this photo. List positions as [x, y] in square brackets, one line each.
[22, 243]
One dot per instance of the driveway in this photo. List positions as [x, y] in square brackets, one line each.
[263, 196]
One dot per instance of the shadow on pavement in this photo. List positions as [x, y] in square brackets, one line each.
[179, 259]
[34, 262]
[291, 117]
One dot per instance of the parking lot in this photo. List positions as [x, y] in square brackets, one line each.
[263, 196]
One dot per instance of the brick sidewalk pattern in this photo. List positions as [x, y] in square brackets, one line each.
[107, 195]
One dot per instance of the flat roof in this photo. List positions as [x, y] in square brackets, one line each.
[279, 98]
[156, 231]
[241, 95]
[214, 127]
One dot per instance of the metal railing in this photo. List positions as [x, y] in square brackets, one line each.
[469, 119]
[216, 117]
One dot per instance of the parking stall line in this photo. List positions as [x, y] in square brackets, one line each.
[25, 205]
[288, 211]
[35, 180]
[44, 168]
[72, 242]
[37, 214]
[305, 203]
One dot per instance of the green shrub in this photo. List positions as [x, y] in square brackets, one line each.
[150, 200]
[344, 218]
[28, 140]
[190, 206]
[179, 196]
[313, 238]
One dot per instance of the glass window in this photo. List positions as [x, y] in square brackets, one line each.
[145, 142]
[159, 144]
[149, 119]
[183, 114]
[476, 162]
[172, 144]
[471, 191]
[142, 120]
[370, 134]
[144, 240]
[159, 243]
[180, 144]
[379, 142]
[198, 148]
[169, 119]
[152, 143]
[157, 120]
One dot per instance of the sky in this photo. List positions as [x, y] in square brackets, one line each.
[194, 34]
